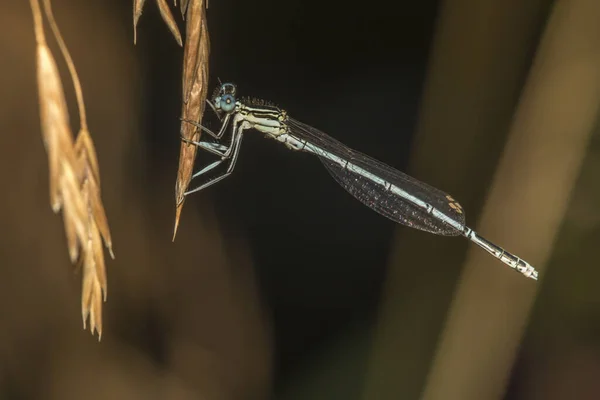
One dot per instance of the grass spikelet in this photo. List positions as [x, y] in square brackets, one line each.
[74, 173]
[194, 82]
[165, 12]
[195, 89]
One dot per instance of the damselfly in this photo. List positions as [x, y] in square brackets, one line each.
[395, 195]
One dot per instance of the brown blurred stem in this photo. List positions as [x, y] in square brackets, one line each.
[37, 22]
[70, 64]
[478, 60]
[525, 207]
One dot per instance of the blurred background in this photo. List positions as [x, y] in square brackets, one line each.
[280, 285]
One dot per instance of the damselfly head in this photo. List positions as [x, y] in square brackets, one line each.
[223, 88]
[224, 98]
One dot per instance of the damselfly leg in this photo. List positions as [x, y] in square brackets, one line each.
[231, 157]
[227, 154]
[217, 136]
[213, 148]
[212, 106]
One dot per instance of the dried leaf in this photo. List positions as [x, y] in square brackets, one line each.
[95, 250]
[100, 218]
[87, 287]
[183, 6]
[138, 6]
[91, 293]
[96, 311]
[165, 12]
[195, 88]
[98, 254]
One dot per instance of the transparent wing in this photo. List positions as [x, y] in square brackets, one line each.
[374, 195]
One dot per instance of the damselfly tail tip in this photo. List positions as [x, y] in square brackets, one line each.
[526, 269]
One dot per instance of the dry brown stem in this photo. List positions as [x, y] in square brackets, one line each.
[74, 173]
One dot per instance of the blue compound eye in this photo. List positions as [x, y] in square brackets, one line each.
[227, 103]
